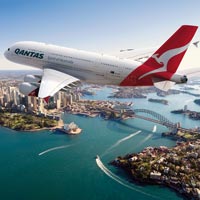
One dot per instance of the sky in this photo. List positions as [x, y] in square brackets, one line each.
[104, 26]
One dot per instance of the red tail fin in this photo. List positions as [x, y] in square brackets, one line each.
[165, 61]
[173, 50]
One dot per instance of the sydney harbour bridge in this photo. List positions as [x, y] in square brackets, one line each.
[154, 117]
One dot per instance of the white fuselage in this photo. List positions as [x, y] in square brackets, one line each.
[87, 66]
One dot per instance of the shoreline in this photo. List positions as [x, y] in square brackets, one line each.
[175, 168]
[33, 130]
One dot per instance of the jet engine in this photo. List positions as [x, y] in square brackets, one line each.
[29, 89]
[31, 85]
[179, 78]
[32, 78]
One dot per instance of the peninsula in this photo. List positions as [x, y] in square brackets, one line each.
[26, 122]
[106, 109]
[191, 114]
[177, 168]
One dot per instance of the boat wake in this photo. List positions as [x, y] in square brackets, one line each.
[122, 140]
[146, 138]
[53, 149]
[188, 101]
[154, 129]
[117, 178]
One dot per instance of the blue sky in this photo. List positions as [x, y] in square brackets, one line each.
[95, 25]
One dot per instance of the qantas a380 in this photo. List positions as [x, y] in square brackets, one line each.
[64, 67]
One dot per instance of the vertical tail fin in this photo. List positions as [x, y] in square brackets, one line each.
[168, 57]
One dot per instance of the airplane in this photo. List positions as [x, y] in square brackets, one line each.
[64, 68]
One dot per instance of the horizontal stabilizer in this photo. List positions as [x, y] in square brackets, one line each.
[163, 84]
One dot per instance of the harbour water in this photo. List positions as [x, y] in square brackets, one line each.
[46, 165]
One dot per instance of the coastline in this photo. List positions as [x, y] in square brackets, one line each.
[34, 130]
[176, 168]
[27, 122]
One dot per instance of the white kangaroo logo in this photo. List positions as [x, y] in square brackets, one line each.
[164, 59]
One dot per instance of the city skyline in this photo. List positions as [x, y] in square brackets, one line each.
[98, 26]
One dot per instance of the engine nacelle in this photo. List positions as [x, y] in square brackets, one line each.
[179, 78]
[32, 78]
[29, 89]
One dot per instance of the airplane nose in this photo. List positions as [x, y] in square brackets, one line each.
[6, 53]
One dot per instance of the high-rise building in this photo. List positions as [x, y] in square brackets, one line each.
[78, 97]
[1, 101]
[58, 104]
[17, 97]
[73, 96]
[70, 99]
[6, 98]
[34, 102]
[63, 99]
[41, 106]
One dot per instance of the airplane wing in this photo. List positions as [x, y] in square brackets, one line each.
[53, 81]
[140, 55]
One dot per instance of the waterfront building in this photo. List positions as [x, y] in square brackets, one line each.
[155, 175]
[178, 125]
[185, 108]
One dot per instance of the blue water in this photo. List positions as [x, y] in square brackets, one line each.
[72, 172]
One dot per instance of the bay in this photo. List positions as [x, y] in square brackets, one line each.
[70, 170]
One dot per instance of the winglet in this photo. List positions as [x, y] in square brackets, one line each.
[196, 44]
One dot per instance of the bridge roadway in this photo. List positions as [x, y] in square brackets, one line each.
[154, 117]
[164, 123]
[159, 119]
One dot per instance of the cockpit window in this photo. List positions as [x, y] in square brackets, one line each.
[8, 49]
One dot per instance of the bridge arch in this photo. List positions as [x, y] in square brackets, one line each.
[156, 116]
